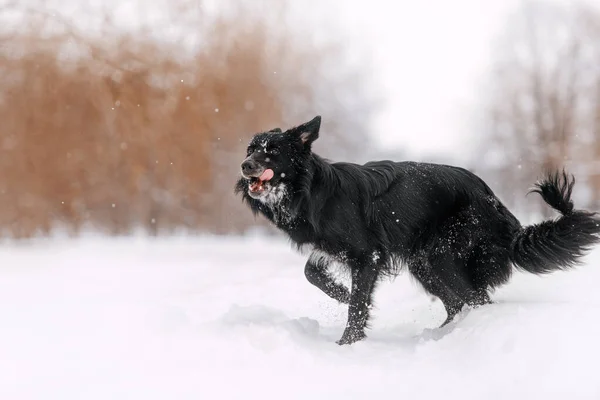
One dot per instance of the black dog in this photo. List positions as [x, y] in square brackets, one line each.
[444, 223]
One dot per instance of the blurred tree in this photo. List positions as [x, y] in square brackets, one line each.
[122, 129]
[543, 89]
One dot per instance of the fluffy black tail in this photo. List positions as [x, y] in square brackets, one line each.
[556, 244]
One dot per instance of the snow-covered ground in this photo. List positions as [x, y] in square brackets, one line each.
[210, 318]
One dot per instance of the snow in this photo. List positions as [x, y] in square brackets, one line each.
[213, 318]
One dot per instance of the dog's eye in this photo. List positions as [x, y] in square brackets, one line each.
[249, 151]
[273, 151]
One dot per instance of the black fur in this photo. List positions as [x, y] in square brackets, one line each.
[557, 244]
[443, 222]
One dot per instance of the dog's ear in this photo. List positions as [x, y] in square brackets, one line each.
[308, 132]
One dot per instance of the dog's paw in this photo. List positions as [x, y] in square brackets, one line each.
[351, 336]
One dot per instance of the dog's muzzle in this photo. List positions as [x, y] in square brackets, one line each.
[251, 169]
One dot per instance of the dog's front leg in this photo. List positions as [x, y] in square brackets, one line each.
[364, 278]
[316, 272]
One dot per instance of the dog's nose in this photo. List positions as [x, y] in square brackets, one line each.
[248, 167]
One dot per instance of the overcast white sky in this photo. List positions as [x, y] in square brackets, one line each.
[432, 56]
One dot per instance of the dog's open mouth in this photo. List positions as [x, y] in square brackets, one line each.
[257, 185]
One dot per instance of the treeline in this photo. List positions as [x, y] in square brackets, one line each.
[543, 103]
[117, 131]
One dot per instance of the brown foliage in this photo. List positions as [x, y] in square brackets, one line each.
[119, 132]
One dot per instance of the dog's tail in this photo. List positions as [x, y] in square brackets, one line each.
[556, 244]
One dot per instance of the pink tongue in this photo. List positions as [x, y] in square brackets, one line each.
[267, 175]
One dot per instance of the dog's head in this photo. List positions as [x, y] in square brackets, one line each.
[274, 158]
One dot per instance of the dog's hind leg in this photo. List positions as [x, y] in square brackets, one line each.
[316, 273]
[421, 270]
[452, 272]
[489, 266]
[364, 279]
